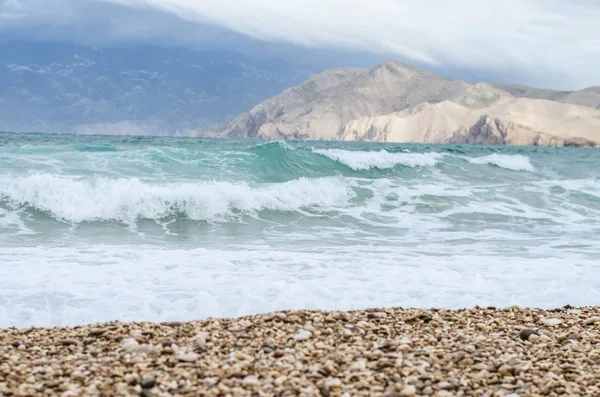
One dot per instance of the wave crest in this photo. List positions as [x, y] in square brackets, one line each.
[361, 161]
[79, 200]
[514, 162]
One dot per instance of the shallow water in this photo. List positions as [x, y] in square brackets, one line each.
[96, 228]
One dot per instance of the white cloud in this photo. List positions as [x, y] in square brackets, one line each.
[553, 37]
[554, 42]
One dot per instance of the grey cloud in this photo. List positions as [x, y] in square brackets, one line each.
[545, 42]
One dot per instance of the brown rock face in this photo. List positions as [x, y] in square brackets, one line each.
[487, 131]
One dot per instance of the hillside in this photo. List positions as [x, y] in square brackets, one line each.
[400, 103]
[589, 97]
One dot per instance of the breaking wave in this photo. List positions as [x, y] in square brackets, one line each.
[78, 200]
[514, 162]
[367, 160]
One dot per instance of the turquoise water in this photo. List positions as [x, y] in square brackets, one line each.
[103, 227]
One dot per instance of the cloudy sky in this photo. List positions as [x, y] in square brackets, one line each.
[552, 43]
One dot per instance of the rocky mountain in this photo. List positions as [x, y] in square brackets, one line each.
[514, 121]
[395, 102]
[50, 87]
[589, 97]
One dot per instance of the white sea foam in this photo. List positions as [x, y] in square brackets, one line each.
[127, 199]
[361, 160]
[514, 162]
[12, 220]
[45, 286]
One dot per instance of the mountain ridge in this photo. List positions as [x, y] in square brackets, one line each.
[389, 103]
[57, 87]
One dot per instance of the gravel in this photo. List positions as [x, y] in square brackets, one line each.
[391, 352]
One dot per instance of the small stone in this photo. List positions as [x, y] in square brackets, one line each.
[146, 393]
[534, 338]
[551, 322]
[132, 346]
[69, 342]
[187, 357]
[333, 383]
[426, 318]
[480, 367]
[506, 370]
[96, 332]
[136, 334]
[546, 333]
[16, 344]
[78, 375]
[280, 380]
[250, 380]
[592, 320]
[408, 390]
[200, 339]
[524, 334]
[281, 316]
[545, 338]
[303, 335]
[445, 386]
[377, 315]
[148, 383]
[359, 365]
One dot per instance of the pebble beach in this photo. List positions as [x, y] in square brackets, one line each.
[381, 352]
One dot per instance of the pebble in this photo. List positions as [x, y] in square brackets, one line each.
[320, 345]
[527, 332]
[148, 383]
[359, 365]
[551, 322]
[132, 346]
[592, 320]
[250, 380]
[187, 357]
[96, 332]
[303, 335]
[68, 342]
[534, 338]
[408, 391]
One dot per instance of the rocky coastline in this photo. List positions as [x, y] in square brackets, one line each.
[484, 351]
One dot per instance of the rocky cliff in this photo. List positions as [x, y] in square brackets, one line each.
[395, 102]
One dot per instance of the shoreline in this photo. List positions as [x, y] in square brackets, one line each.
[392, 352]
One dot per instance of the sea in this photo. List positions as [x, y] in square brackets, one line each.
[102, 228]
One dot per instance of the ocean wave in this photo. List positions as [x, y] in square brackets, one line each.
[367, 160]
[77, 200]
[514, 162]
